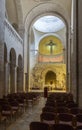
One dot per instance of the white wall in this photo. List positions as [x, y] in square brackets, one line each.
[13, 40]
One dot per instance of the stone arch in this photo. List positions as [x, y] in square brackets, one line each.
[39, 11]
[12, 56]
[50, 80]
[20, 74]
[58, 71]
[12, 82]
[20, 61]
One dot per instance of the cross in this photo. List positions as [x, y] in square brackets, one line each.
[51, 44]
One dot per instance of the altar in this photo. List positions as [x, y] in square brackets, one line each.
[52, 76]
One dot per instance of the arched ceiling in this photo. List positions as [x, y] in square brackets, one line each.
[18, 9]
[11, 11]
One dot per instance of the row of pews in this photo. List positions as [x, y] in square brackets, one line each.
[60, 112]
[15, 104]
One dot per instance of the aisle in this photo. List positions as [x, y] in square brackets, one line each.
[32, 114]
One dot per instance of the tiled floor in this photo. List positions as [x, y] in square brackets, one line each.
[31, 114]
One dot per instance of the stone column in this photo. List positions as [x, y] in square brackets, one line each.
[19, 79]
[12, 78]
[15, 80]
[7, 72]
[64, 56]
[74, 54]
[26, 82]
[2, 28]
[79, 50]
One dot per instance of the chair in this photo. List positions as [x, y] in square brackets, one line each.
[48, 109]
[71, 104]
[62, 127]
[48, 117]
[38, 126]
[65, 118]
[75, 110]
[60, 104]
[79, 119]
[62, 110]
[52, 104]
[79, 127]
[3, 120]
[8, 112]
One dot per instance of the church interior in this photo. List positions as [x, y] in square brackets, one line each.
[40, 64]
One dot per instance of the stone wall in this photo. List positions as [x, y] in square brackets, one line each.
[13, 40]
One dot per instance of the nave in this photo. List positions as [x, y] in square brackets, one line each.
[61, 107]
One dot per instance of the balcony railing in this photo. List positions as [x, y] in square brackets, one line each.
[12, 31]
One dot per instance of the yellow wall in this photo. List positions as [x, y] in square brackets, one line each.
[45, 49]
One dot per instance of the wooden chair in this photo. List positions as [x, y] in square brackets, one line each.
[62, 127]
[8, 112]
[48, 117]
[62, 110]
[3, 120]
[75, 110]
[65, 118]
[48, 109]
[78, 119]
[52, 104]
[79, 127]
[38, 126]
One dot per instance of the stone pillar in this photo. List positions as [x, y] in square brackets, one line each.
[64, 56]
[79, 50]
[7, 72]
[26, 82]
[2, 28]
[12, 78]
[74, 54]
[67, 61]
[15, 80]
[19, 79]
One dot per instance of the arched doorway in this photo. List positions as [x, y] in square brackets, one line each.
[50, 80]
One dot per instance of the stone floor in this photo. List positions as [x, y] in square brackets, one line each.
[31, 114]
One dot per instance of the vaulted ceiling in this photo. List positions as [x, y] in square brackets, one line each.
[17, 10]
